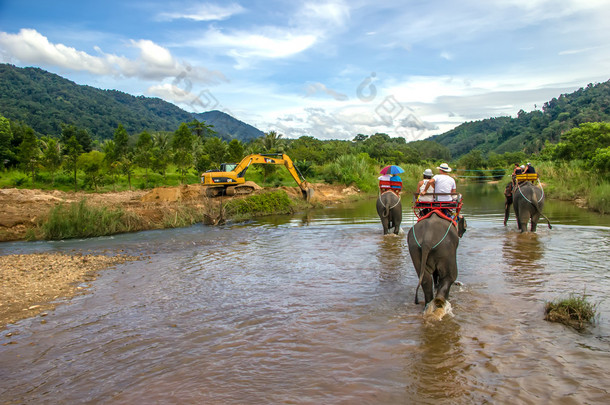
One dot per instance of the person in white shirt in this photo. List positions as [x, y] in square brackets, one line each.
[443, 184]
[421, 186]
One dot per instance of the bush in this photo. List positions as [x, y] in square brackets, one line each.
[79, 220]
[276, 202]
[573, 311]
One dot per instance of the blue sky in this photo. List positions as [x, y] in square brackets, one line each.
[328, 69]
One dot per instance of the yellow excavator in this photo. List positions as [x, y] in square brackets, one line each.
[230, 179]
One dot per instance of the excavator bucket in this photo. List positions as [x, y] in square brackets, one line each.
[307, 194]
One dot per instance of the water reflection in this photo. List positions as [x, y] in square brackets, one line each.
[524, 253]
[391, 256]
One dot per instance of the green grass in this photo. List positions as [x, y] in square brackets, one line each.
[599, 198]
[574, 311]
[276, 202]
[80, 220]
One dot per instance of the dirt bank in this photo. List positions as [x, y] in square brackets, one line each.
[31, 284]
[21, 209]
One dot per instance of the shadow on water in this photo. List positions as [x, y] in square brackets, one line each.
[523, 253]
[391, 256]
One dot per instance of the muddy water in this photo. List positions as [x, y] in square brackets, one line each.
[318, 308]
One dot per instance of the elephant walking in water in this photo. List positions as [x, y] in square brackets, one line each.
[389, 209]
[433, 243]
[528, 201]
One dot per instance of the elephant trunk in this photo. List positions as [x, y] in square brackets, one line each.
[386, 211]
[425, 250]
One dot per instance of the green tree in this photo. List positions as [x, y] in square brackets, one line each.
[235, 151]
[201, 130]
[144, 152]
[29, 153]
[72, 151]
[92, 163]
[182, 145]
[121, 143]
[216, 149]
[6, 137]
[51, 156]
[272, 142]
[582, 142]
[81, 135]
[161, 153]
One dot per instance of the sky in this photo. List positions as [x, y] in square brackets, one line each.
[327, 69]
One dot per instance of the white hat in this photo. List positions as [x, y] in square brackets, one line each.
[522, 166]
[444, 167]
[529, 164]
[428, 172]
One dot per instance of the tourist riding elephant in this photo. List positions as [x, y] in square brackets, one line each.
[389, 209]
[433, 243]
[528, 201]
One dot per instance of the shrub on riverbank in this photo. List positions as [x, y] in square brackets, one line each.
[276, 202]
[569, 181]
[574, 311]
[80, 220]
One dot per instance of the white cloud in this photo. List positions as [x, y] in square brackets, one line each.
[267, 43]
[153, 63]
[203, 12]
[315, 88]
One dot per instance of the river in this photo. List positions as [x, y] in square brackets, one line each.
[317, 308]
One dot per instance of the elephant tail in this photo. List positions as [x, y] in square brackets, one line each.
[425, 250]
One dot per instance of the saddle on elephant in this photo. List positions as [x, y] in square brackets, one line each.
[526, 177]
[449, 210]
[388, 185]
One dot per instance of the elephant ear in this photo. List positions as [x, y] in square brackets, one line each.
[461, 226]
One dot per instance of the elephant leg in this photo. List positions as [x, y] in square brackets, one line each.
[535, 219]
[442, 293]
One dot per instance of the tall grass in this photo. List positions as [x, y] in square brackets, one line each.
[569, 181]
[352, 169]
[276, 202]
[80, 220]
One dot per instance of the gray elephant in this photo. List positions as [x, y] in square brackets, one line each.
[528, 201]
[389, 209]
[433, 243]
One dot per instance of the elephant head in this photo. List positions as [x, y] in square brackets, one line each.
[433, 243]
[389, 209]
[528, 201]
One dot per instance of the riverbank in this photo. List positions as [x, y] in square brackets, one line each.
[22, 211]
[33, 284]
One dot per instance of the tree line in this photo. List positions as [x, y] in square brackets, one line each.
[194, 148]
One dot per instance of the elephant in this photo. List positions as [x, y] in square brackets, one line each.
[528, 201]
[433, 243]
[389, 209]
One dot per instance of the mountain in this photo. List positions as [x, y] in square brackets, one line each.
[45, 101]
[529, 131]
[228, 127]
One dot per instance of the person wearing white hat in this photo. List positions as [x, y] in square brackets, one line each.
[422, 185]
[444, 185]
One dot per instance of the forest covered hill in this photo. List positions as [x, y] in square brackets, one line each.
[45, 101]
[529, 131]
